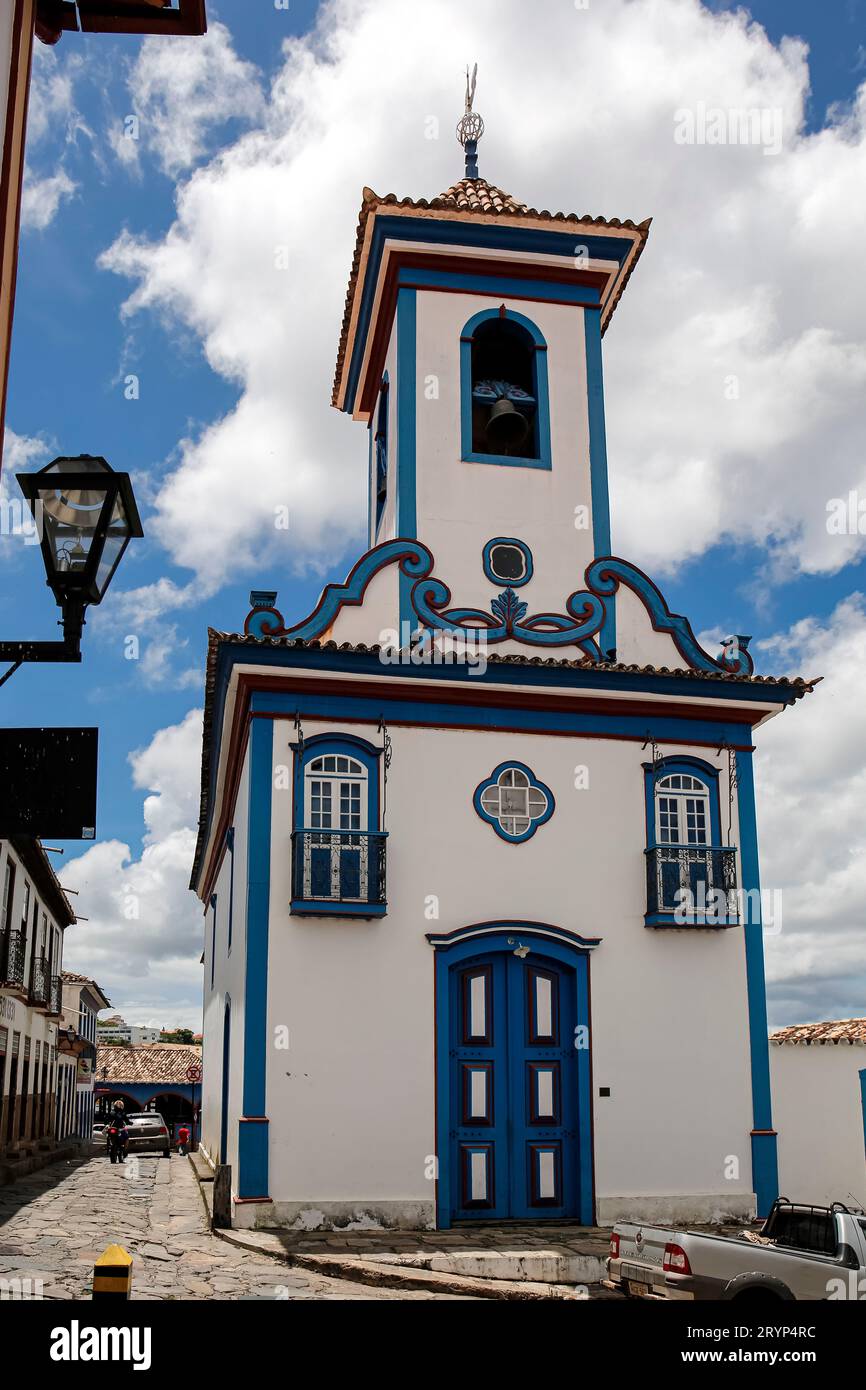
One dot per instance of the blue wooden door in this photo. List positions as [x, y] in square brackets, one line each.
[513, 1090]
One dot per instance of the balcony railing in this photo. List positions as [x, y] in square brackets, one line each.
[689, 885]
[39, 982]
[55, 995]
[339, 870]
[13, 948]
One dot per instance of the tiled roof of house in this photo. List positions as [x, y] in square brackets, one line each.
[146, 1063]
[840, 1030]
[469, 197]
[477, 195]
[71, 977]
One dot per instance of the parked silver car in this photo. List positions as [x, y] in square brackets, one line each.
[801, 1252]
[148, 1133]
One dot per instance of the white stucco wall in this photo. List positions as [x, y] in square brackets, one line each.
[818, 1114]
[351, 1104]
[228, 979]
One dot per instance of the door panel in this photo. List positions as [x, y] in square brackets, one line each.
[513, 1133]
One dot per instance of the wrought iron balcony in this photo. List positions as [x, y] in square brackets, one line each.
[691, 885]
[13, 949]
[39, 982]
[55, 996]
[339, 872]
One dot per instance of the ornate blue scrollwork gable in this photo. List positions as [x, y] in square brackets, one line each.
[604, 577]
[508, 618]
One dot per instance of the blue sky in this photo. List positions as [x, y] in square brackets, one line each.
[73, 349]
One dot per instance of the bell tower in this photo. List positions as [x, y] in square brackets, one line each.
[471, 349]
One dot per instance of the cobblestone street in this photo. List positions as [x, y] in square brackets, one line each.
[55, 1223]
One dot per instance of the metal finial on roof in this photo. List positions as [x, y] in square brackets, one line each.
[470, 127]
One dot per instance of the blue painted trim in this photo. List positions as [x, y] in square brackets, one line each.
[449, 233]
[665, 921]
[225, 1082]
[253, 1138]
[692, 767]
[487, 564]
[426, 600]
[213, 937]
[598, 474]
[396, 710]
[863, 1105]
[709, 775]
[309, 907]
[765, 1168]
[343, 745]
[383, 411]
[604, 577]
[346, 745]
[413, 558]
[500, 286]
[493, 821]
[543, 931]
[462, 948]
[542, 393]
[407, 427]
[230, 846]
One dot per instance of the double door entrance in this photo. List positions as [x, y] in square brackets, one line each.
[517, 1090]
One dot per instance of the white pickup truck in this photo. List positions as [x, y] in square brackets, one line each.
[801, 1252]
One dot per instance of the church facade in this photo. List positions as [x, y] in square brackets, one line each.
[478, 854]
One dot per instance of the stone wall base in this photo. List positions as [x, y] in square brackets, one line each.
[670, 1209]
[336, 1216]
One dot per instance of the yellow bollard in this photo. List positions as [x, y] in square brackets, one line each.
[112, 1273]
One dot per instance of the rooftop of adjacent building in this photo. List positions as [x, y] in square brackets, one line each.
[840, 1030]
[72, 977]
[146, 1062]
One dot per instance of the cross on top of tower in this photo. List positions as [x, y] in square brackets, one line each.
[470, 127]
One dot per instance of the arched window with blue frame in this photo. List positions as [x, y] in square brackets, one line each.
[338, 848]
[691, 874]
[505, 404]
[380, 453]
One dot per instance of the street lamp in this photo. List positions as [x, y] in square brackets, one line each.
[85, 517]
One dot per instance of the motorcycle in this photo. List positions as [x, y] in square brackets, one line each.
[117, 1142]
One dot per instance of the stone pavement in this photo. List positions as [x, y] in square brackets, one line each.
[56, 1222]
[500, 1261]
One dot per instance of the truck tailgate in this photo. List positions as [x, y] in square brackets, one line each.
[641, 1257]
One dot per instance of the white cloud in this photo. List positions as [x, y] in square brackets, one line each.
[41, 197]
[182, 92]
[53, 124]
[148, 962]
[747, 275]
[811, 787]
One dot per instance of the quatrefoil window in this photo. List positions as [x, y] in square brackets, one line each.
[514, 802]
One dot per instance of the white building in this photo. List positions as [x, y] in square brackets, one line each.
[82, 1002]
[34, 913]
[452, 967]
[819, 1098]
[132, 1033]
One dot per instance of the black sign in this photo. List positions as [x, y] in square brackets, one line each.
[48, 783]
